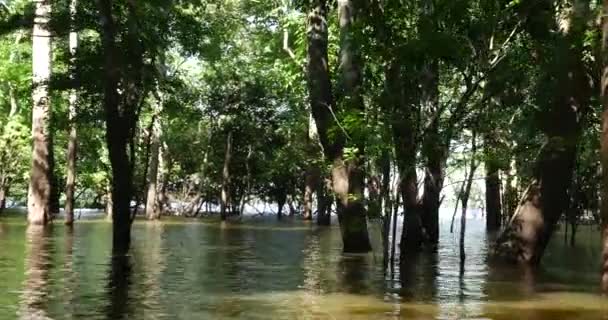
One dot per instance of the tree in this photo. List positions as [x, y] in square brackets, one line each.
[604, 146]
[40, 175]
[564, 90]
[72, 136]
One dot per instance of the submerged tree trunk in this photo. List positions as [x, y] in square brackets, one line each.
[281, 199]
[434, 151]
[309, 187]
[529, 231]
[324, 203]
[72, 135]
[604, 147]
[121, 117]
[152, 209]
[39, 193]
[347, 172]
[492, 180]
[225, 196]
[464, 198]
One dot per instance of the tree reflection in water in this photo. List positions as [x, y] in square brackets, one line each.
[34, 296]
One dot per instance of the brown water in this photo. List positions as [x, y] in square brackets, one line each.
[263, 269]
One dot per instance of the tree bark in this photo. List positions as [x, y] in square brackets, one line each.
[492, 180]
[604, 147]
[39, 192]
[72, 135]
[225, 196]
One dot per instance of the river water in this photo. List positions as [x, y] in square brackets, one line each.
[263, 269]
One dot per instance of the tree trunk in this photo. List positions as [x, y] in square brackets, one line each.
[324, 203]
[280, 204]
[404, 135]
[492, 180]
[121, 118]
[604, 147]
[531, 227]
[72, 136]
[464, 197]
[308, 191]
[312, 175]
[348, 174]
[163, 172]
[109, 204]
[39, 192]
[225, 196]
[152, 208]
[434, 151]
[3, 196]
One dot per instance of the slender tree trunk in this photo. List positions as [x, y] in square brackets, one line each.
[39, 192]
[312, 175]
[324, 203]
[604, 147]
[109, 204]
[152, 209]
[465, 198]
[3, 196]
[320, 93]
[309, 187]
[72, 136]
[163, 172]
[225, 196]
[492, 180]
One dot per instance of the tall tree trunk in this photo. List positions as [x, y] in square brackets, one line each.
[152, 209]
[163, 172]
[225, 196]
[321, 100]
[39, 192]
[348, 174]
[464, 197]
[72, 136]
[121, 118]
[604, 147]
[531, 227]
[434, 151]
[404, 135]
[492, 180]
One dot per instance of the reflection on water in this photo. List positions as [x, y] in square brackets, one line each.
[263, 269]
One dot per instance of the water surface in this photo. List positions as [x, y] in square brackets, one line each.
[263, 269]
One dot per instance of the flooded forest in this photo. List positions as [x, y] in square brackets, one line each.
[303, 159]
